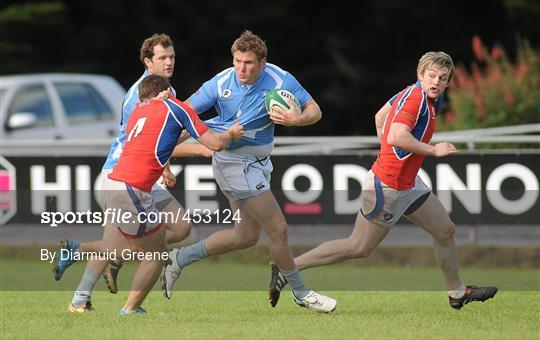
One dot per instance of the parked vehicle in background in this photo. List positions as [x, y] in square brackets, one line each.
[59, 106]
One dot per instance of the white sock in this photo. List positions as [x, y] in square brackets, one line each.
[457, 294]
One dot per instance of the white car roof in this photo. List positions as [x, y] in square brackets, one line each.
[7, 80]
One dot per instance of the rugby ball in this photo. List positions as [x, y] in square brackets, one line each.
[279, 98]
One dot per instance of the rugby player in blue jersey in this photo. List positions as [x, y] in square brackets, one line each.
[243, 170]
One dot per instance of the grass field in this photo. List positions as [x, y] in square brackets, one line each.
[33, 305]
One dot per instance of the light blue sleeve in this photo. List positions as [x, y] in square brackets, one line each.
[205, 97]
[130, 101]
[292, 85]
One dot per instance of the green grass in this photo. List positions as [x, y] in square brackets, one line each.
[240, 310]
[228, 275]
[512, 315]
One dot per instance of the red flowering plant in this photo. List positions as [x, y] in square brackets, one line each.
[495, 92]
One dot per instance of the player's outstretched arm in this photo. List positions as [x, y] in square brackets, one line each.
[191, 149]
[400, 136]
[218, 141]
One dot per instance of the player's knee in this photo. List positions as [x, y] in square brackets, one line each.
[279, 233]
[356, 249]
[361, 252]
[447, 232]
[184, 230]
[248, 241]
[162, 248]
[177, 232]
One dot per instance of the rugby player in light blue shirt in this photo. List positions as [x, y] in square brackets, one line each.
[243, 170]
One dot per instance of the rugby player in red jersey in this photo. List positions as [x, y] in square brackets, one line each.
[153, 131]
[392, 188]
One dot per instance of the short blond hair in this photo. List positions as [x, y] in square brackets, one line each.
[438, 59]
[250, 42]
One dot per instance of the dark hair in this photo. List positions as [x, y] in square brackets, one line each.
[147, 48]
[151, 86]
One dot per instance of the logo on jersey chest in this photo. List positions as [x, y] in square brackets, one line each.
[226, 94]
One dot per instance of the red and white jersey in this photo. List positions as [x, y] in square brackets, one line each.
[152, 133]
[395, 167]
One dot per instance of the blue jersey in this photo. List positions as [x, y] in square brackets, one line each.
[234, 100]
[128, 105]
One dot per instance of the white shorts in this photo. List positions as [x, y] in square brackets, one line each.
[241, 176]
[161, 195]
[384, 206]
[131, 210]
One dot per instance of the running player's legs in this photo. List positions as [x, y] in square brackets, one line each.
[110, 232]
[366, 234]
[176, 229]
[94, 268]
[245, 234]
[365, 237]
[237, 179]
[433, 218]
[72, 250]
[247, 181]
[265, 211]
[105, 246]
[147, 274]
